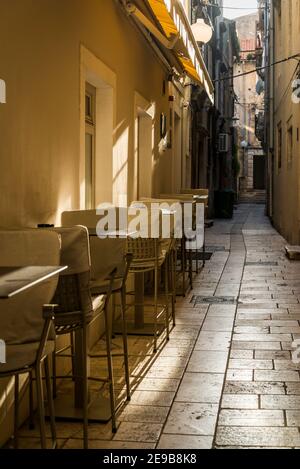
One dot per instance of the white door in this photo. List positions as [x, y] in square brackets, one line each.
[177, 155]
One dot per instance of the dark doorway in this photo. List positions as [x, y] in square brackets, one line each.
[259, 172]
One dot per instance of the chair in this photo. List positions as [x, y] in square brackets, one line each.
[200, 197]
[78, 309]
[149, 255]
[168, 244]
[106, 254]
[202, 193]
[198, 244]
[25, 323]
[185, 255]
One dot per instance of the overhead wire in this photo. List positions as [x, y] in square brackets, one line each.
[287, 88]
[255, 70]
[230, 7]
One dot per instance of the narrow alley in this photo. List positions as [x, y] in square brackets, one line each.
[226, 379]
[150, 228]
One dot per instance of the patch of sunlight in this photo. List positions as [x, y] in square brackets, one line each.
[64, 203]
[120, 167]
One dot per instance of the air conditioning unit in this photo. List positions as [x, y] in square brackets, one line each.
[223, 143]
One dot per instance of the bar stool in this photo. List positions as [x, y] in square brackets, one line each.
[201, 196]
[107, 254]
[77, 310]
[171, 218]
[202, 193]
[185, 254]
[179, 244]
[148, 255]
[26, 325]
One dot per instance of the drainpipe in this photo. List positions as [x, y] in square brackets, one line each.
[271, 147]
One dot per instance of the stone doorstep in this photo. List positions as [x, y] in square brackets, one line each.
[293, 253]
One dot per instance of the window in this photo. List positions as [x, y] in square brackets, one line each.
[290, 146]
[90, 123]
[279, 145]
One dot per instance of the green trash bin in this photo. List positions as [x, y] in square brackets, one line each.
[224, 204]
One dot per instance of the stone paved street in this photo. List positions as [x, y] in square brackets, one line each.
[226, 378]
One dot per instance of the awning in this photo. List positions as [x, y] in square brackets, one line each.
[165, 20]
[173, 30]
[189, 67]
[173, 21]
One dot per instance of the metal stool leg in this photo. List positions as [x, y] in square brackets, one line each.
[113, 315]
[72, 353]
[50, 402]
[183, 265]
[16, 412]
[174, 254]
[110, 372]
[171, 282]
[155, 307]
[167, 265]
[85, 387]
[191, 268]
[54, 386]
[31, 409]
[40, 403]
[125, 344]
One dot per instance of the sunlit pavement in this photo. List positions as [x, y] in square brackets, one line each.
[226, 378]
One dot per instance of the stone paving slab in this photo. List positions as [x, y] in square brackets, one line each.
[258, 436]
[249, 418]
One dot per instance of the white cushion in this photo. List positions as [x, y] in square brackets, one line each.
[75, 249]
[107, 253]
[21, 318]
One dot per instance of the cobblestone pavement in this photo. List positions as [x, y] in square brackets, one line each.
[226, 378]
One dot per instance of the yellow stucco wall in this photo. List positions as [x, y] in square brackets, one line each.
[41, 44]
[286, 180]
[40, 124]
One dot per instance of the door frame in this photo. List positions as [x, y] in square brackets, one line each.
[141, 105]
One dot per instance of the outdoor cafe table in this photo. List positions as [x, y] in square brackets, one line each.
[15, 280]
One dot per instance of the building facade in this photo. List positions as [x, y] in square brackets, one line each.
[105, 102]
[281, 32]
[214, 135]
[249, 104]
[97, 109]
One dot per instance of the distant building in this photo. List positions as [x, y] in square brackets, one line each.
[213, 136]
[249, 104]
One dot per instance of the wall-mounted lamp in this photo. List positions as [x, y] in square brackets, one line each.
[2, 92]
[163, 125]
